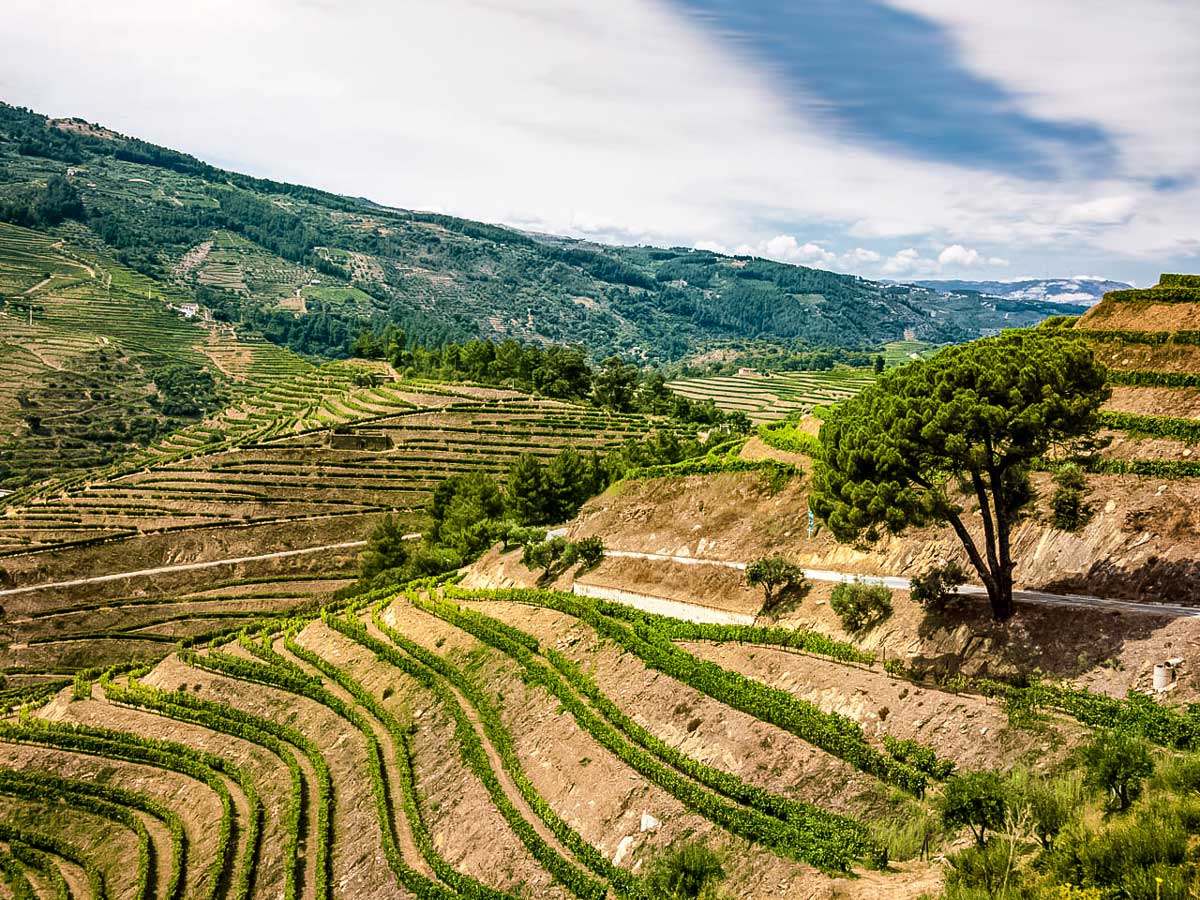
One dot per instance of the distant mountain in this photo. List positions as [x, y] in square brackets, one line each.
[310, 270]
[1079, 291]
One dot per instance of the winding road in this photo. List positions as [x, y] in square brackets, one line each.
[1037, 598]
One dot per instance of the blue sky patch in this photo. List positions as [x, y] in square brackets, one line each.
[881, 76]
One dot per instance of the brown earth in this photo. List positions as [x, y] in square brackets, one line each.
[1158, 357]
[566, 765]
[1141, 315]
[1156, 401]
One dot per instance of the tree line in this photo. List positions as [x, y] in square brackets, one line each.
[554, 370]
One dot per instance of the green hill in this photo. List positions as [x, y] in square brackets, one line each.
[309, 270]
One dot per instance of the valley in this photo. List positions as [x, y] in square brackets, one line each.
[353, 552]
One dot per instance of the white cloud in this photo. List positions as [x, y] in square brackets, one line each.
[909, 262]
[1103, 211]
[958, 255]
[568, 116]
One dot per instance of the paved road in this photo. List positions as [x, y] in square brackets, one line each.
[1037, 598]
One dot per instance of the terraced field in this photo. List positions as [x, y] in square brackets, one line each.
[773, 397]
[452, 743]
[82, 341]
[287, 454]
[387, 748]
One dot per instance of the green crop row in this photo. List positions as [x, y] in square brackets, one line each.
[836, 734]
[461, 884]
[1171, 294]
[795, 829]
[789, 437]
[1135, 714]
[281, 673]
[1155, 468]
[919, 757]
[1157, 426]
[174, 757]
[42, 863]
[793, 639]
[44, 788]
[773, 469]
[1150, 378]
[57, 846]
[12, 873]
[1153, 338]
[431, 664]
[226, 720]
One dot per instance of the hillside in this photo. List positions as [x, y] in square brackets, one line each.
[309, 270]
[201, 699]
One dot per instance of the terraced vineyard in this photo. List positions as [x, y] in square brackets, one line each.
[83, 341]
[776, 396]
[368, 752]
[434, 743]
[287, 455]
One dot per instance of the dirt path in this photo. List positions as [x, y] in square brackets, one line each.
[182, 567]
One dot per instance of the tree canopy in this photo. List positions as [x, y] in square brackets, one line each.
[967, 423]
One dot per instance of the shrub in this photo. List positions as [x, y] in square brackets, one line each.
[1123, 857]
[1053, 805]
[686, 873]
[1117, 763]
[977, 800]
[779, 578]
[590, 551]
[522, 536]
[545, 554]
[989, 867]
[935, 587]
[1069, 510]
[859, 605]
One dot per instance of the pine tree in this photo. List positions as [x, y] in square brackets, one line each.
[527, 490]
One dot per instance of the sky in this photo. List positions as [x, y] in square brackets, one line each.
[903, 139]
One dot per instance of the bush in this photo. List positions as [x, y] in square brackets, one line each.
[989, 867]
[935, 587]
[1069, 511]
[779, 578]
[522, 536]
[1123, 857]
[687, 872]
[859, 605]
[977, 800]
[1117, 763]
[1053, 805]
[590, 551]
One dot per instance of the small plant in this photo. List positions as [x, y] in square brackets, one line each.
[859, 605]
[1069, 510]
[1117, 763]
[688, 872]
[779, 578]
[935, 587]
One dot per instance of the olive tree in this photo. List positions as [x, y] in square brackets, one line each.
[924, 440]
